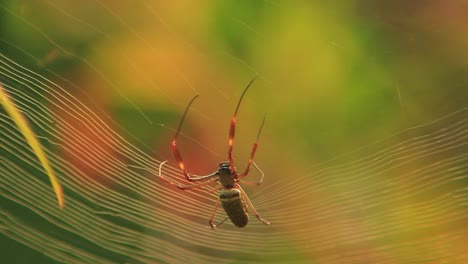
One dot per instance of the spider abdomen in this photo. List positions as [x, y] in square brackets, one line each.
[234, 205]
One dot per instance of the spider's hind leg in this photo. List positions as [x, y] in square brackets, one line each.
[252, 207]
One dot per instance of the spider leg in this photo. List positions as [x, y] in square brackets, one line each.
[232, 129]
[224, 220]
[252, 154]
[213, 226]
[253, 183]
[187, 187]
[176, 152]
[252, 207]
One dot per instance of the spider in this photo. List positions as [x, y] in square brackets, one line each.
[232, 197]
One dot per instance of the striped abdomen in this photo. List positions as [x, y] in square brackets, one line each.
[234, 205]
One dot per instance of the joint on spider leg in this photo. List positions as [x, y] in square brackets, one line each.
[261, 172]
[190, 179]
[265, 222]
[183, 188]
[213, 226]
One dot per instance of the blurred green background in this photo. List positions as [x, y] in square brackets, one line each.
[332, 75]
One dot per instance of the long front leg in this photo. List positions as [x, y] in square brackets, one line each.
[176, 152]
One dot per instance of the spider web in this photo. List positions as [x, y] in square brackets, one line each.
[104, 86]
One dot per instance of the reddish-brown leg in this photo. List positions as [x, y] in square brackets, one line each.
[213, 226]
[232, 129]
[253, 183]
[252, 154]
[177, 155]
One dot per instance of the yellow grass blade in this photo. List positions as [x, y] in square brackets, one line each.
[25, 129]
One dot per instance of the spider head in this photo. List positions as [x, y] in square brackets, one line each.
[223, 168]
[226, 175]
